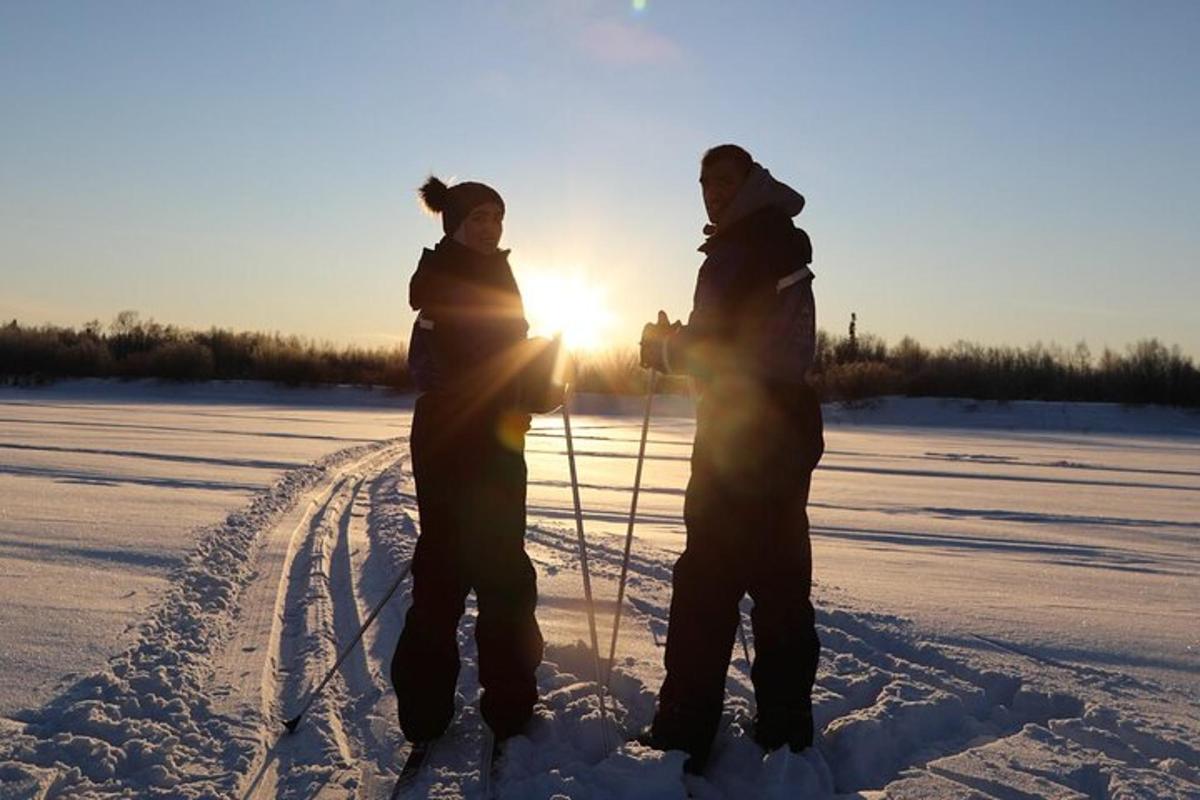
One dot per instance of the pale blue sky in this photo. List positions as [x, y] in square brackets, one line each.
[1004, 172]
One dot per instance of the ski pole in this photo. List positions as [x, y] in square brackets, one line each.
[583, 563]
[637, 485]
[294, 721]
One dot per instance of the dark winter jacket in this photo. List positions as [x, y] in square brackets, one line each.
[753, 312]
[469, 347]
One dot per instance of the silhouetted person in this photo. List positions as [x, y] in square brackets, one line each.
[479, 378]
[748, 343]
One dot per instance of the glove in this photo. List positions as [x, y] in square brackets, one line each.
[654, 344]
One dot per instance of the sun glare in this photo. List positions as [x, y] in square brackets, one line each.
[565, 302]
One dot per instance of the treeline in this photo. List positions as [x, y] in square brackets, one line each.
[850, 368]
[131, 347]
[854, 368]
[1148, 372]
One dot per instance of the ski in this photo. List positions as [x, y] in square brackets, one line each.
[417, 756]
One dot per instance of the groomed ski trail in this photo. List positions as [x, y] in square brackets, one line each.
[306, 603]
[330, 562]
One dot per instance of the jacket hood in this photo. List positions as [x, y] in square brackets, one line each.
[760, 190]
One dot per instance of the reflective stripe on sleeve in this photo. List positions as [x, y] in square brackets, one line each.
[793, 278]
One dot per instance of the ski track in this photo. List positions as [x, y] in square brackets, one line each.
[281, 587]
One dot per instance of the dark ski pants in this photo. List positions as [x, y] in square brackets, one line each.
[471, 500]
[747, 531]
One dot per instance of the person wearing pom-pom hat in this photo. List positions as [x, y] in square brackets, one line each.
[480, 377]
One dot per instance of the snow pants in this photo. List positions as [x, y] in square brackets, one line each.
[471, 499]
[747, 531]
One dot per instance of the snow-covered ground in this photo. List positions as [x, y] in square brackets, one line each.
[103, 487]
[1008, 599]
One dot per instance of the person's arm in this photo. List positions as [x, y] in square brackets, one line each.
[422, 365]
[692, 348]
[788, 313]
[793, 345]
[671, 347]
[704, 345]
[540, 384]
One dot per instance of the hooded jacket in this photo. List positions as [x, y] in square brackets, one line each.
[753, 312]
[469, 347]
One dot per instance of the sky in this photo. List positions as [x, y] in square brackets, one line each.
[1005, 173]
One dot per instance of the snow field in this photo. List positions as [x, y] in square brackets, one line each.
[917, 701]
[103, 487]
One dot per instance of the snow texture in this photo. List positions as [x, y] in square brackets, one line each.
[1007, 609]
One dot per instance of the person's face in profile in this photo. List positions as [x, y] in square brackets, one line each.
[482, 229]
[719, 182]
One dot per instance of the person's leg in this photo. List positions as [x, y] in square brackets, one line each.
[785, 636]
[425, 664]
[509, 641]
[786, 647]
[707, 586]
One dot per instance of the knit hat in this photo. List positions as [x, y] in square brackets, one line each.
[455, 202]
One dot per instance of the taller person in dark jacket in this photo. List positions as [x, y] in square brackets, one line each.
[749, 342]
[480, 378]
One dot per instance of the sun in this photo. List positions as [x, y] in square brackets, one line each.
[565, 301]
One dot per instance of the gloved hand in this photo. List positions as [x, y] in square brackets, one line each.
[655, 338]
